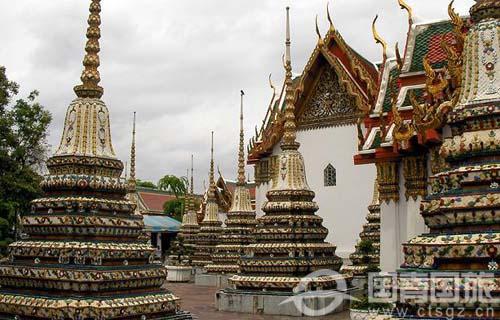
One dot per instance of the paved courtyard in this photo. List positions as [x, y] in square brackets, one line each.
[200, 302]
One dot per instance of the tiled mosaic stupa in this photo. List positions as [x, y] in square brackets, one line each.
[290, 238]
[184, 246]
[211, 226]
[83, 259]
[240, 222]
[366, 257]
[462, 209]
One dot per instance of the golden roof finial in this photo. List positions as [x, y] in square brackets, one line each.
[379, 39]
[90, 76]
[290, 134]
[405, 6]
[272, 86]
[329, 17]
[399, 60]
[241, 152]
[320, 39]
[131, 180]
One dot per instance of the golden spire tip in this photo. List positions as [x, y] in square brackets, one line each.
[90, 75]
[320, 39]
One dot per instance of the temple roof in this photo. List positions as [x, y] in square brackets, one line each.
[423, 41]
[355, 74]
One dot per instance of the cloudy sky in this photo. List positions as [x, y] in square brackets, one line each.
[181, 64]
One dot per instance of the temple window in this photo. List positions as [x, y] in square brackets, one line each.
[330, 176]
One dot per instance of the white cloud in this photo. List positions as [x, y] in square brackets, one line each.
[181, 64]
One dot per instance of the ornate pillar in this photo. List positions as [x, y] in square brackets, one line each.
[388, 177]
[415, 175]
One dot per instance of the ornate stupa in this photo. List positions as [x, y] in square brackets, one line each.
[211, 226]
[366, 257]
[462, 208]
[290, 238]
[83, 259]
[184, 246]
[240, 222]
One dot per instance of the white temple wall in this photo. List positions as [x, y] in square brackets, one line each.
[400, 222]
[344, 206]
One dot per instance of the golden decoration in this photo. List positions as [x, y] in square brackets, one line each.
[361, 137]
[388, 181]
[329, 17]
[408, 9]
[379, 39]
[320, 39]
[415, 174]
[90, 76]
[399, 60]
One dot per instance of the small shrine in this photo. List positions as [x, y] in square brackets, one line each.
[179, 261]
[289, 239]
[240, 223]
[366, 257]
[211, 226]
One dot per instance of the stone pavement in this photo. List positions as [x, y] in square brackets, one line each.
[200, 302]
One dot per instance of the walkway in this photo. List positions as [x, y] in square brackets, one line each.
[200, 302]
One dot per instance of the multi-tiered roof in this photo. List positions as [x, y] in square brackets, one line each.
[240, 223]
[211, 226]
[83, 258]
[461, 210]
[289, 237]
[366, 257]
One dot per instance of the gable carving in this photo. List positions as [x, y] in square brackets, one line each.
[329, 104]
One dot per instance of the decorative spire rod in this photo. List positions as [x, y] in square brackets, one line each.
[289, 135]
[211, 179]
[241, 152]
[90, 76]
[132, 156]
[379, 39]
[192, 179]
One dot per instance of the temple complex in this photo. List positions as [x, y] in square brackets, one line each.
[240, 223]
[366, 257]
[464, 233]
[336, 86]
[211, 226]
[289, 238]
[83, 258]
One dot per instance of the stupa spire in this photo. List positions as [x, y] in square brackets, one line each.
[241, 151]
[290, 127]
[132, 180]
[211, 175]
[90, 75]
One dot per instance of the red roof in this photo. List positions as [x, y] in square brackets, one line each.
[154, 201]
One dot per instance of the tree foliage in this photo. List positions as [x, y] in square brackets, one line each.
[23, 150]
[145, 184]
[173, 184]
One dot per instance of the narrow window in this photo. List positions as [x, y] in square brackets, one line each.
[330, 176]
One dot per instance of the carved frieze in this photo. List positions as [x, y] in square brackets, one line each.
[388, 179]
[415, 174]
[329, 104]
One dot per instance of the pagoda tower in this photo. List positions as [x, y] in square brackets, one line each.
[83, 259]
[462, 208]
[211, 226]
[240, 222]
[367, 253]
[186, 238]
[289, 238]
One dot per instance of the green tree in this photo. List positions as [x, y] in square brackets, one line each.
[145, 184]
[178, 186]
[175, 185]
[23, 151]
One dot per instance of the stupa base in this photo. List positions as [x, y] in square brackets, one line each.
[179, 273]
[212, 280]
[280, 303]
